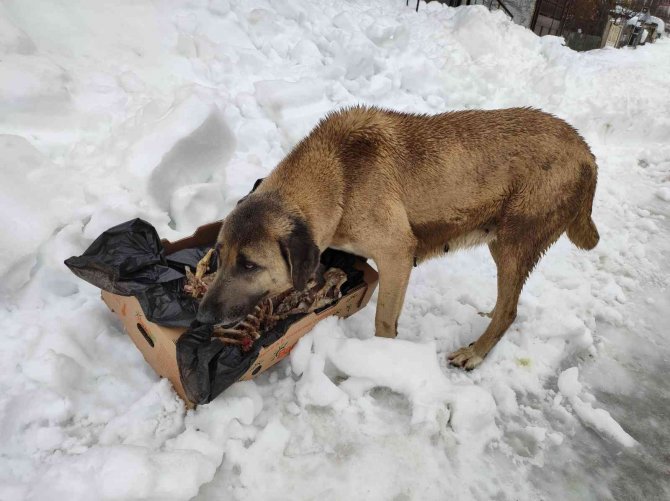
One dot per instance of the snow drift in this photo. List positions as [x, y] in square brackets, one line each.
[169, 112]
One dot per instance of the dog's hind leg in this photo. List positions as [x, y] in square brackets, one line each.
[495, 254]
[513, 268]
[514, 261]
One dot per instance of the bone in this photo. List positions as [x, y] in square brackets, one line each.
[272, 310]
[198, 283]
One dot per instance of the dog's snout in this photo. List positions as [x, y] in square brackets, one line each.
[205, 316]
[209, 311]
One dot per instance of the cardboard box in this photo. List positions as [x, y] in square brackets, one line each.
[158, 343]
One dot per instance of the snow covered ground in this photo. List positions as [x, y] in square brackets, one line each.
[170, 110]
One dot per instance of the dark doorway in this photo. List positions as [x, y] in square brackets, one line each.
[550, 16]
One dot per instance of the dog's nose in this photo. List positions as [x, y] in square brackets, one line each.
[205, 317]
[208, 312]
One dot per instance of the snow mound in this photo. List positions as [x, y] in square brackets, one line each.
[408, 368]
[170, 112]
[37, 197]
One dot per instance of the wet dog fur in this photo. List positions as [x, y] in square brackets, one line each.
[400, 188]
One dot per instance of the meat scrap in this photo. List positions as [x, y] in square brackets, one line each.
[321, 291]
[268, 312]
[198, 283]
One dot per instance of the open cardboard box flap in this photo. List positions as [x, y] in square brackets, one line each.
[158, 343]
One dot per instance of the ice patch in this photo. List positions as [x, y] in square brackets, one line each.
[597, 419]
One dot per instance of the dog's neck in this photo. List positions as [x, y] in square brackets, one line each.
[320, 212]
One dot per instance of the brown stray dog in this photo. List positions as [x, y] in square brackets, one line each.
[400, 188]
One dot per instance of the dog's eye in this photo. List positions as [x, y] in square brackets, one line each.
[249, 266]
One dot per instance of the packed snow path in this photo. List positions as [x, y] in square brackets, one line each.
[170, 110]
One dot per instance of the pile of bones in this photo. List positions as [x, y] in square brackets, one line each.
[321, 291]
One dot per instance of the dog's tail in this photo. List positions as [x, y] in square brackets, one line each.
[582, 230]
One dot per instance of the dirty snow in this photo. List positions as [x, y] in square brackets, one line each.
[169, 111]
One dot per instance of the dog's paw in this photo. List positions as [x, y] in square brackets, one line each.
[466, 358]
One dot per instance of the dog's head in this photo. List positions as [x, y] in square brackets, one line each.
[262, 250]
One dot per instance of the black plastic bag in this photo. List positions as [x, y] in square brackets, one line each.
[124, 260]
[129, 260]
[207, 366]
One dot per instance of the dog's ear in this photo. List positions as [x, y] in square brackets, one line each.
[300, 253]
[256, 185]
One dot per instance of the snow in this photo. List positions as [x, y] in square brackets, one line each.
[568, 383]
[599, 419]
[170, 111]
[660, 30]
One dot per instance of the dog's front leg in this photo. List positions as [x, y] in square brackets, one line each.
[394, 271]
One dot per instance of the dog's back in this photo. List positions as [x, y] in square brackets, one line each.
[459, 175]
